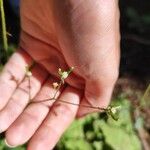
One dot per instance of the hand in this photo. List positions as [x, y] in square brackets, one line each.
[58, 34]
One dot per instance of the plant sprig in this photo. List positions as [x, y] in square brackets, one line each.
[112, 111]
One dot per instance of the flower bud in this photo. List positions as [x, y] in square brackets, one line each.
[55, 85]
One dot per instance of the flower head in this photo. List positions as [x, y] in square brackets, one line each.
[64, 74]
[114, 112]
[28, 72]
[55, 85]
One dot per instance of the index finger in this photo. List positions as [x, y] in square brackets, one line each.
[12, 74]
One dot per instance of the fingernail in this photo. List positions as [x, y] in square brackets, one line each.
[1, 131]
[8, 145]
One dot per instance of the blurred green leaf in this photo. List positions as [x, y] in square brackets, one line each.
[139, 123]
[95, 133]
[145, 100]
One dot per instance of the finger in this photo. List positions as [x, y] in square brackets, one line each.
[59, 118]
[20, 97]
[12, 74]
[29, 121]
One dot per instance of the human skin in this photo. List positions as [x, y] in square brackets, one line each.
[59, 34]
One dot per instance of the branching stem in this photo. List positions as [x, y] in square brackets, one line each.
[112, 111]
[81, 105]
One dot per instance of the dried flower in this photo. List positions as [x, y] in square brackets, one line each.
[28, 72]
[64, 74]
[114, 112]
[55, 85]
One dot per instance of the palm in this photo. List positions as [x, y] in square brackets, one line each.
[91, 82]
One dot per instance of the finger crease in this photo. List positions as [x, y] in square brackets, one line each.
[24, 90]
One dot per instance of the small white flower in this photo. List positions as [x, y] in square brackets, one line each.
[55, 85]
[59, 71]
[114, 110]
[28, 73]
[64, 75]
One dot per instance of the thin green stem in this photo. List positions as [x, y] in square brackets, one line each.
[4, 32]
[75, 104]
[29, 89]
